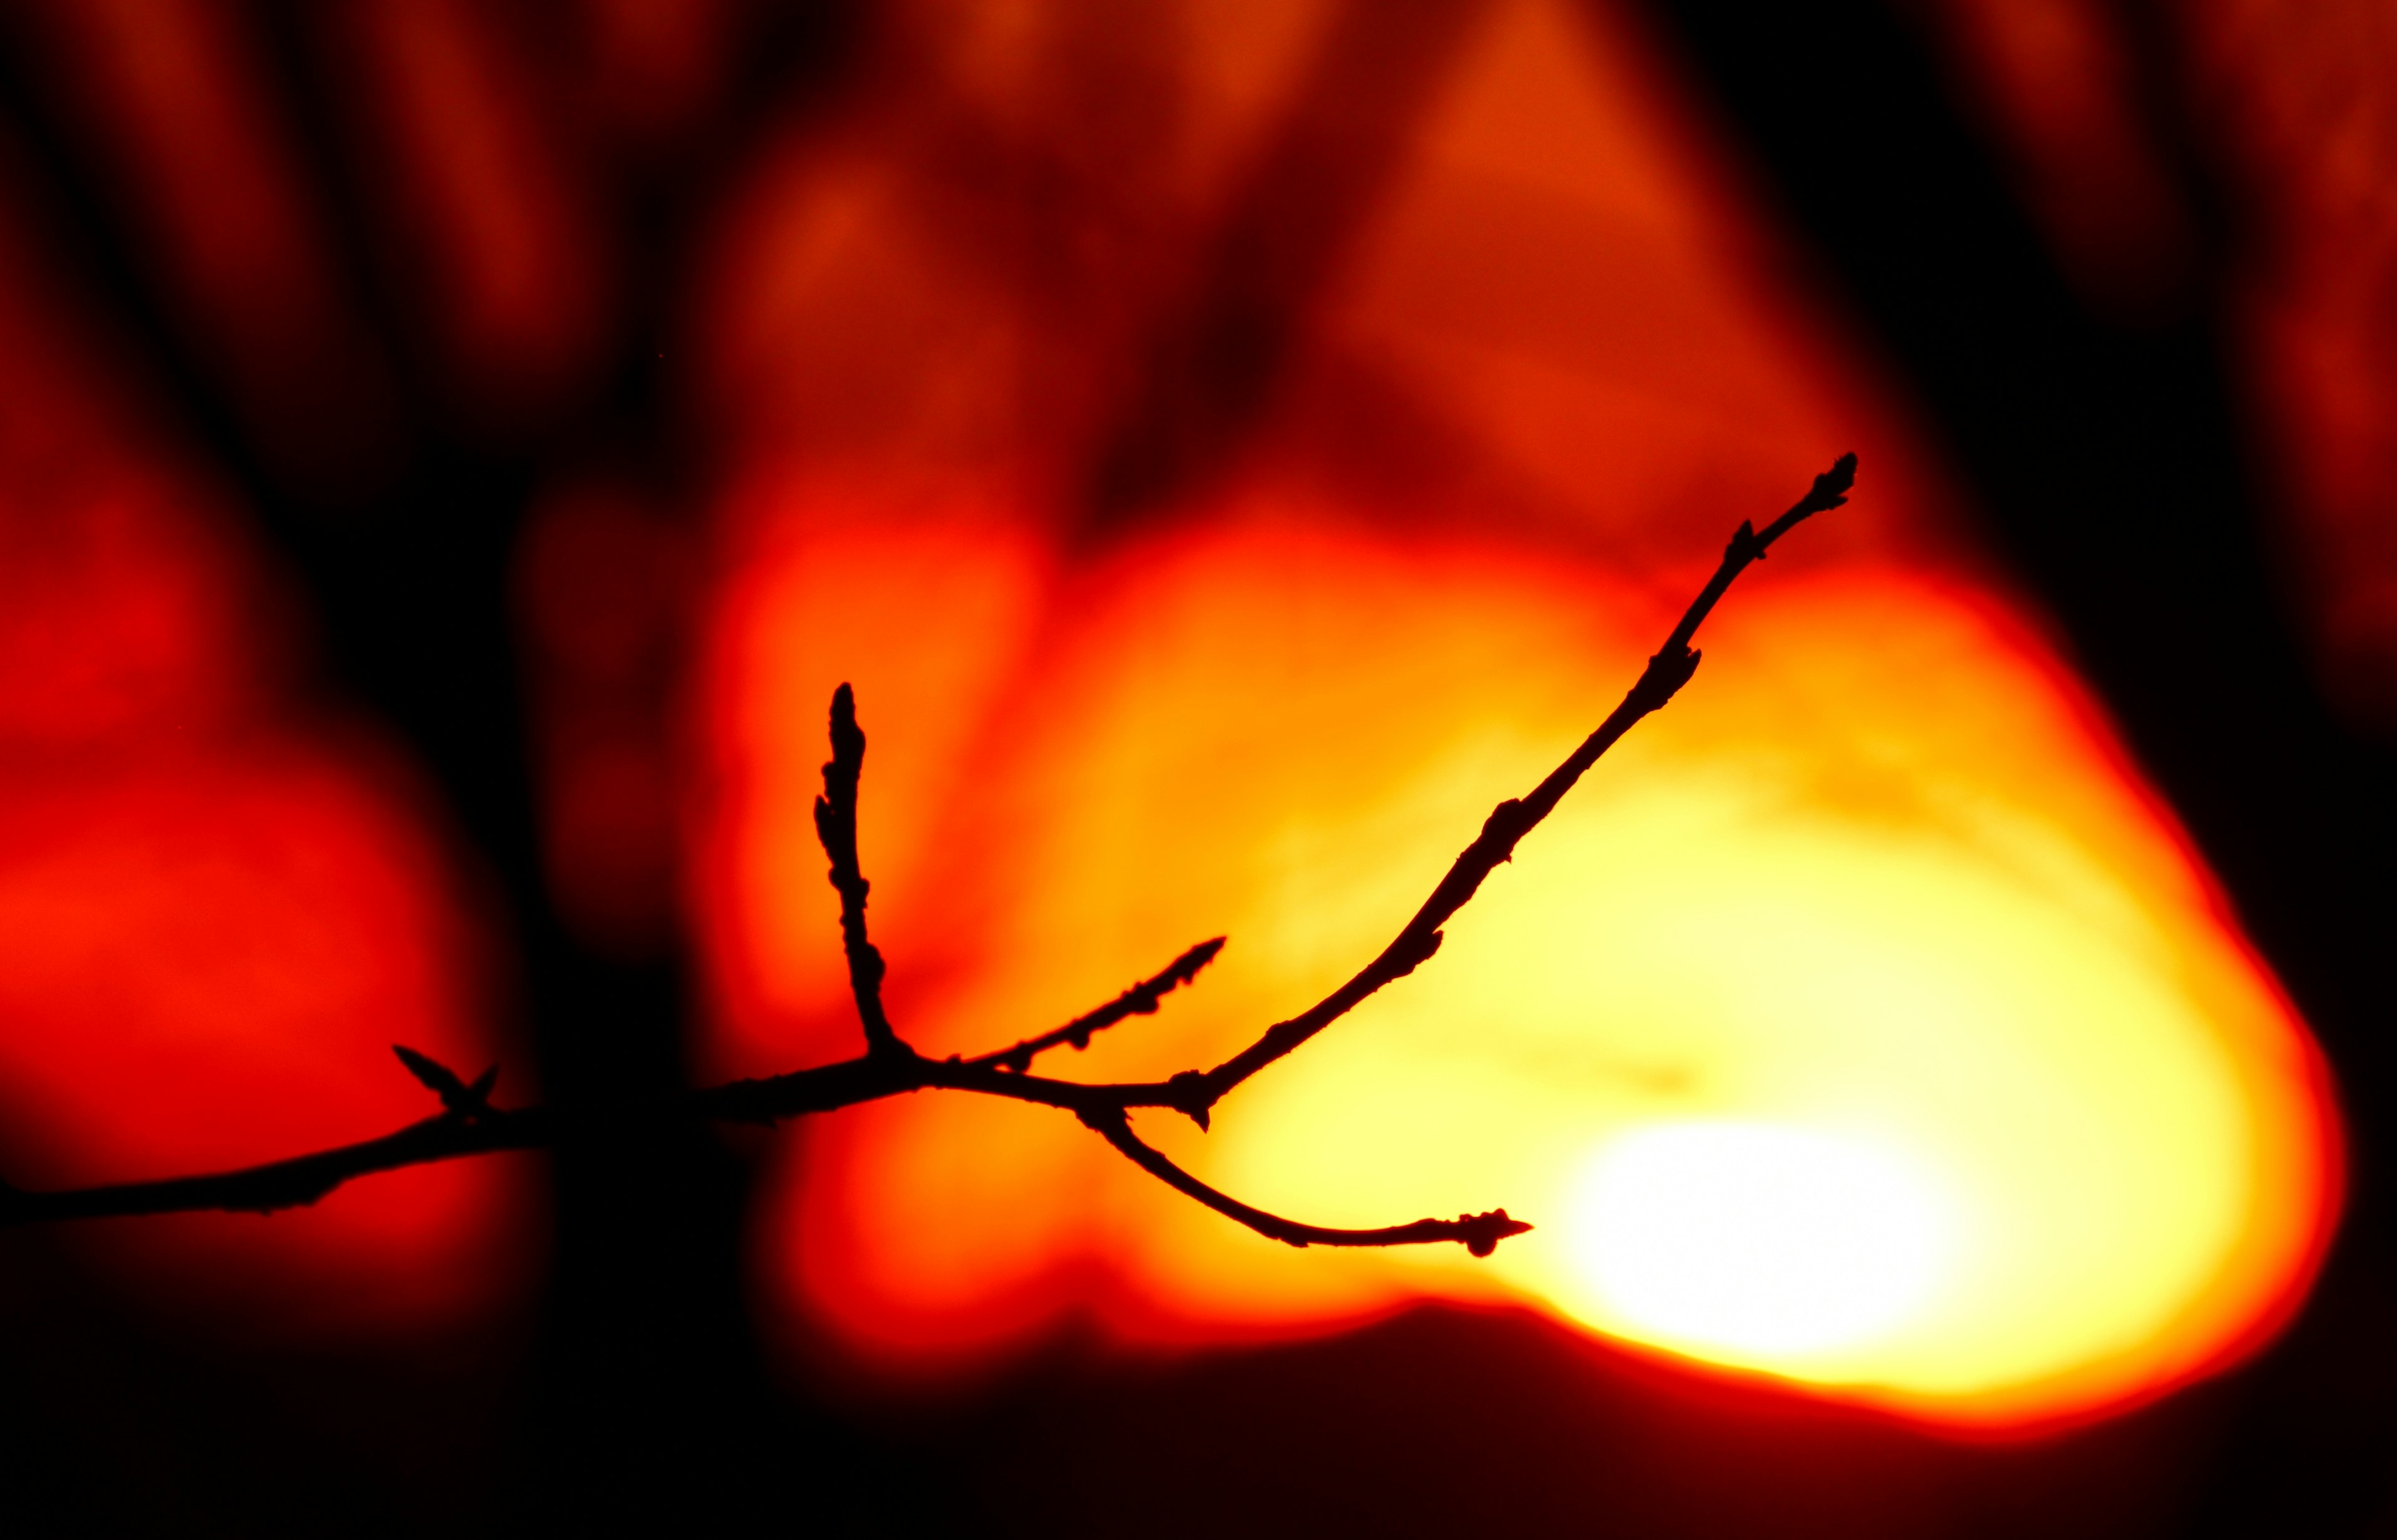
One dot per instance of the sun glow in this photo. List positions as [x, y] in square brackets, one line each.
[1857, 1022]
[1750, 1240]
[1872, 953]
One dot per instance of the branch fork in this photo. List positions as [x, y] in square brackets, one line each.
[468, 1124]
[459, 1100]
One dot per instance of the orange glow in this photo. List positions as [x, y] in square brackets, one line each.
[1865, 968]
[925, 607]
[1876, 924]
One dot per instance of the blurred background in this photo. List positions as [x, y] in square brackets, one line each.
[449, 452]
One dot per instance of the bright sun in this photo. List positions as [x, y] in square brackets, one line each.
[1752, 1238]
[1860, 1023]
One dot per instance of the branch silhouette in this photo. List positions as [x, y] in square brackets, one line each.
[836, 829]
[469, 1125]
[1141, 1000]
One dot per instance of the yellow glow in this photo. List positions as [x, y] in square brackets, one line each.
[1748, 1238]
[1878, 885]
[1868, 954]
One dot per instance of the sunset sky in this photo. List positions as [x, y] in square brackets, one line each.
[453, 454]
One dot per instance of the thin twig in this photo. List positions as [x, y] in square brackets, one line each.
[837, 828]
[1139, 1000]
[1479, 1233]
[289, 1183]
[1197, 1092]
[469, 1125]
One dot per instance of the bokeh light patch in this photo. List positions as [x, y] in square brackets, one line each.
[1867, 957]
[1752, 1239]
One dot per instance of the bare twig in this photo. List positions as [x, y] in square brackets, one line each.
[1480, 1232]
[464, 1099]
[289, 1184]
[837, 828]
[469, 1125]
[1196, 1092]
[1139, 1000]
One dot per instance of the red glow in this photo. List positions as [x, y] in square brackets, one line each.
[204, 959]
[488, 204]
[217, 913]
[1881, 907]
[176, 94]
[602, 589]
[2294, 106]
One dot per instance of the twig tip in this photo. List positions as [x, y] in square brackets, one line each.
[1482, 1232]
[457, 1096]
[1832, 486]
